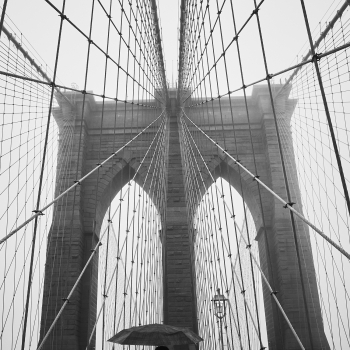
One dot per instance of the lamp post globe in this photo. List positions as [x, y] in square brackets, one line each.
[219, 301]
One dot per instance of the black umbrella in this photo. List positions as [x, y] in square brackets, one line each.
[156, 334]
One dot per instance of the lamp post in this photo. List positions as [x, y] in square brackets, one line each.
[220, 311]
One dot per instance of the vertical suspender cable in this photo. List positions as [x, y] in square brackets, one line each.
[41, 182]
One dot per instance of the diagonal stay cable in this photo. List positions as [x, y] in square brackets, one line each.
[76, 183]
[286, 205]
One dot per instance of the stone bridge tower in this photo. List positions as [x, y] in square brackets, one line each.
[178, 264]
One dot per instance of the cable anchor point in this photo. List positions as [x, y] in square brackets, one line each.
[39, 212]
[290, 204]
[316, 57]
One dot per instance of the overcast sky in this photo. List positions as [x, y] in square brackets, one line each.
[282, 25]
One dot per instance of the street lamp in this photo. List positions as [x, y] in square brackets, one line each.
[220, 311]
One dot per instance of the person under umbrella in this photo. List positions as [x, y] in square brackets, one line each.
[155, 335]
